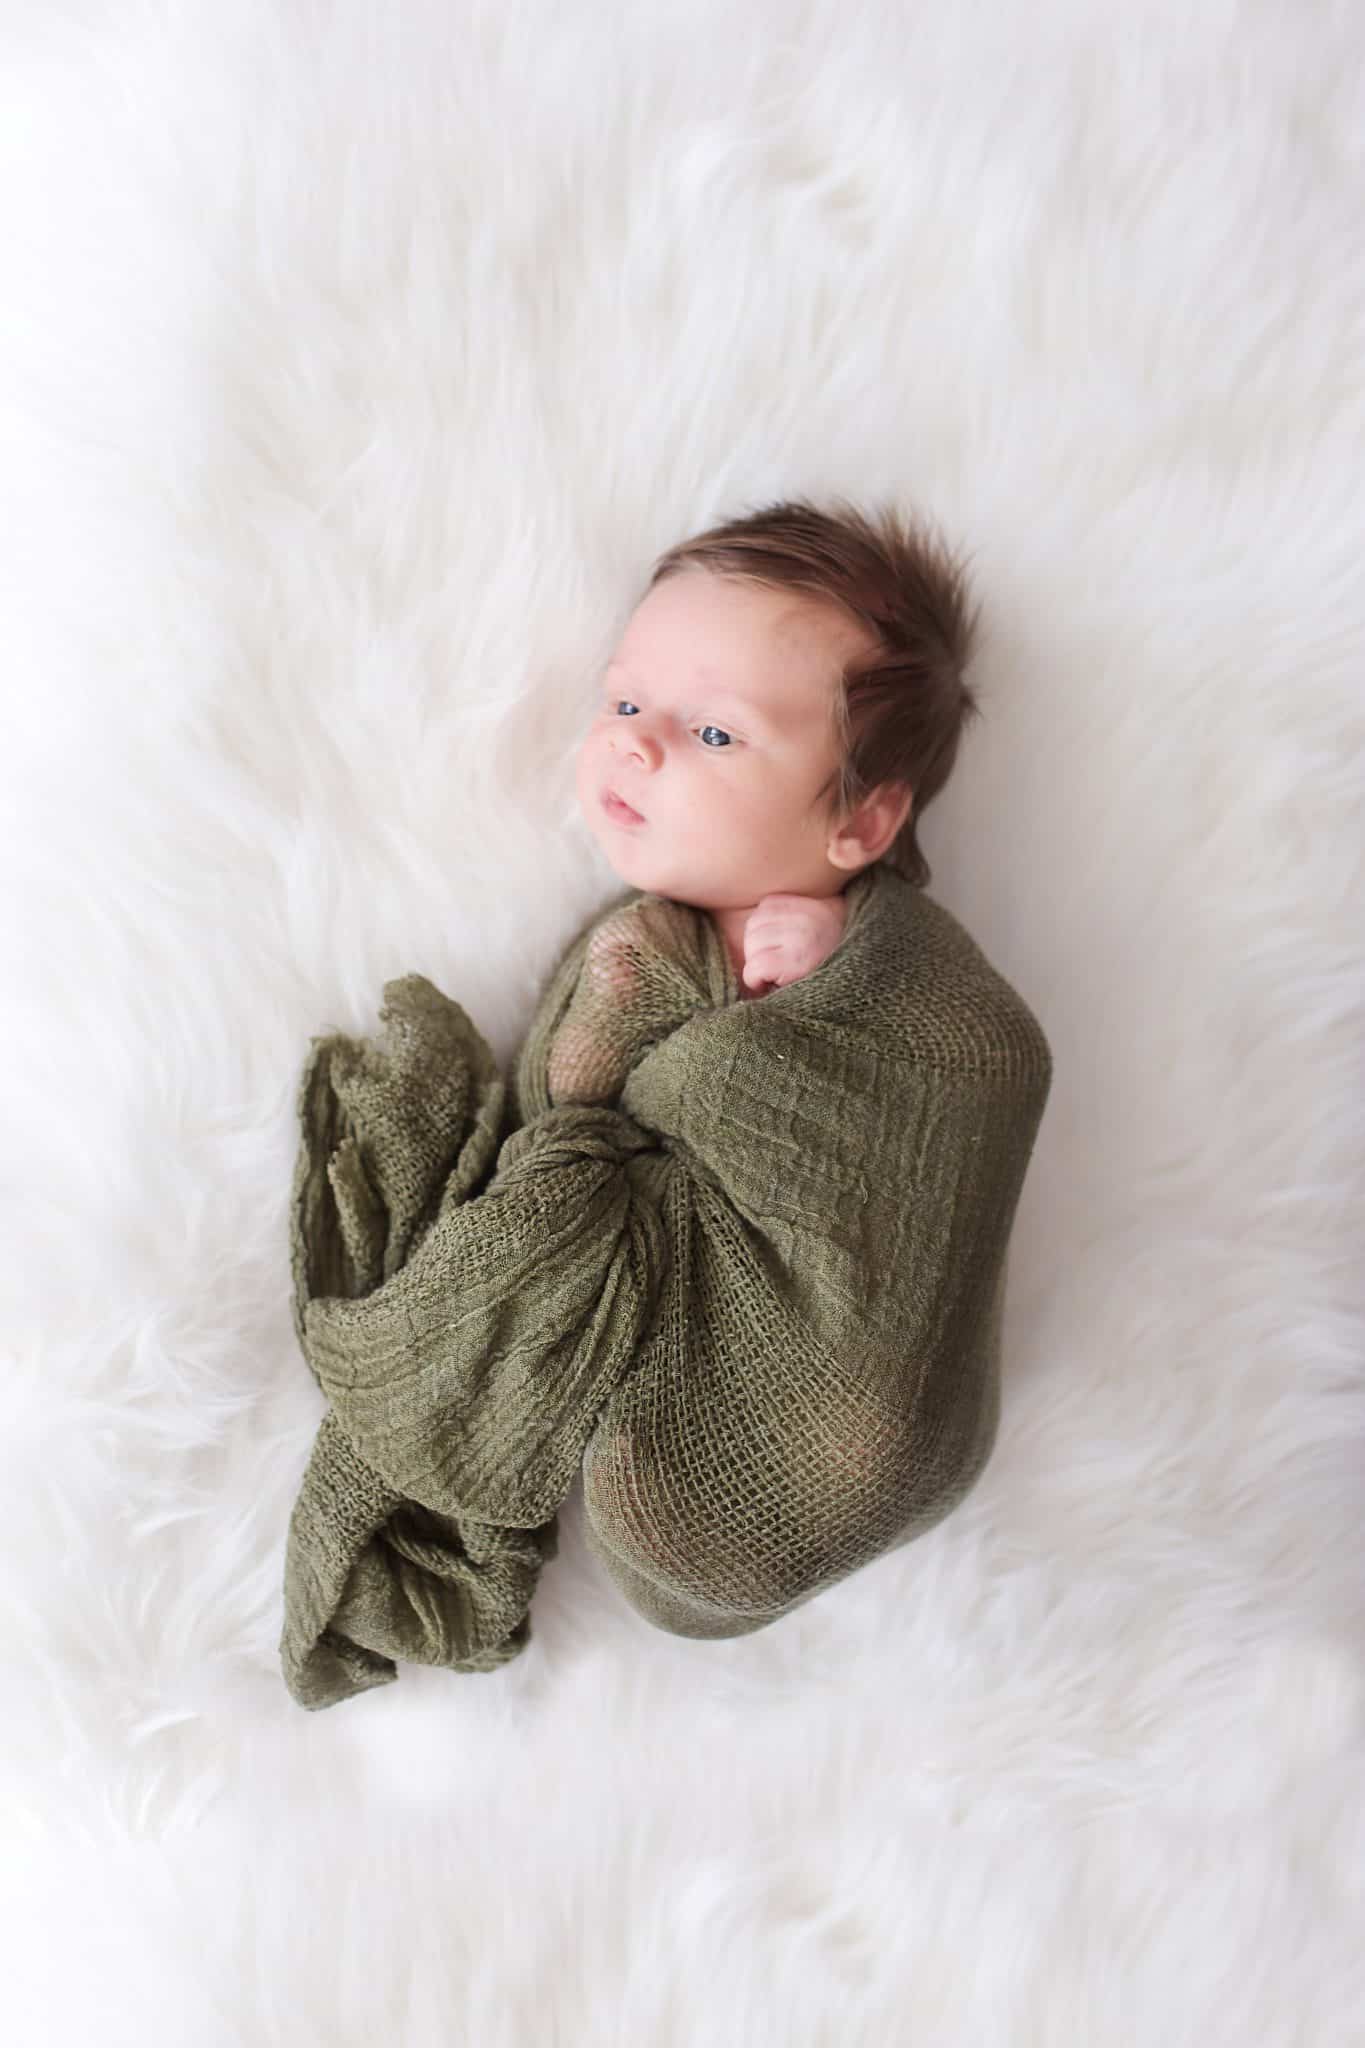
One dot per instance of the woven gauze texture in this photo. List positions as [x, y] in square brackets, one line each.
[741, 1262]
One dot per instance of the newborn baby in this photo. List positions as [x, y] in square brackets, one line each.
[744, 1273]
[763, 722]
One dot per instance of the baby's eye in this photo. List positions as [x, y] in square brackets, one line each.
[725, 738]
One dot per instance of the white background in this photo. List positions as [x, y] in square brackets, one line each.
[355, 363]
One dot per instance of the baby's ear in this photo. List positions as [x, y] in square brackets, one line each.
[865, 836]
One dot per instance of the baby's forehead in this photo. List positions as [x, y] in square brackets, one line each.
[740, 636]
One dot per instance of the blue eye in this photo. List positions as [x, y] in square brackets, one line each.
[725, 739]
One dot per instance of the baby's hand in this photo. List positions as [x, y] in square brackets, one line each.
[788, 936]
[632, 988]
[590, 1054]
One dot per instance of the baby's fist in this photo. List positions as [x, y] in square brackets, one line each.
[787, 937]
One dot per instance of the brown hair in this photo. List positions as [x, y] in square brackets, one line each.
[899, 713]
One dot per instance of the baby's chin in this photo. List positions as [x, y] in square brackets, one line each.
[641, 866]
[644, 859]
[623, 851]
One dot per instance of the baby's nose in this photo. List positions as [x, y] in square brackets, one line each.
[642, 744]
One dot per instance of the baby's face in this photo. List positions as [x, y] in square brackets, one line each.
[714, 722]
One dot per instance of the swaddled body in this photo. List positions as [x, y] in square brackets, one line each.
[755, 1297]
[844, 1163]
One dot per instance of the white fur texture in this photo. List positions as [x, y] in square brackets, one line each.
[355, 363]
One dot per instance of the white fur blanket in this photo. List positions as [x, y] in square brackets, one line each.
[355, 363]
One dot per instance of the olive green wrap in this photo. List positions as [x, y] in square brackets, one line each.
[742, 1263]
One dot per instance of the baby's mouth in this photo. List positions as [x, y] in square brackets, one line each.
[619, 810]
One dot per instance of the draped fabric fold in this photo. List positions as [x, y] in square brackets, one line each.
[739, 1262]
